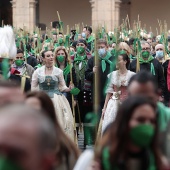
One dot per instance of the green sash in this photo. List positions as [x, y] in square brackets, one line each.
[142, 61]
[104, 60]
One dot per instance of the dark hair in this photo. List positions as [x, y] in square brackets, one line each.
[19, 51]
[144, 77]
[125, 58]
[9, 84]
[43, 53]
[88, 28]
[116, 138]
[102, 41]
[131, 41]
[64, 145]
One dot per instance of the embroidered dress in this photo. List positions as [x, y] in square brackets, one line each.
[53, 85]
[118, 87]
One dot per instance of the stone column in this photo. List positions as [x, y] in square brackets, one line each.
[14, 12]
[32, 14]
[24, 14]
[102, 13]
[117, 13]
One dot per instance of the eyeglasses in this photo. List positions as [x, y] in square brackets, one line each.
[147, 49]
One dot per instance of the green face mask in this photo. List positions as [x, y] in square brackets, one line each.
[60, 41]
[142, 135]
[6, 164]
[122, 52]
[71, 53]
[145, 54]
[60, 58]
[80, 50]
[19, 62]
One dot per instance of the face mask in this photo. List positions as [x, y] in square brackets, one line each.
[60, 58]
[60, 41]
[145, 54]
[80, 50]
[159, 54]
[122, 52]
[142, 135]
[83, 35]
[71, 53]
[101, 52]
[6, 164]
[19, 62]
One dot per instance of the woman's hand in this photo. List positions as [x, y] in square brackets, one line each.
[71, 86]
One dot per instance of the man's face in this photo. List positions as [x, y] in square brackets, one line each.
[146, 47]
[19, 143]
[85, 31]
[102, 46]
[142, 89]
[20, 56]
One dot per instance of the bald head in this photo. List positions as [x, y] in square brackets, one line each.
[28, 135]
[159, 46]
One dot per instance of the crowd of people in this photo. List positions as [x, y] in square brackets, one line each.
[48, 95]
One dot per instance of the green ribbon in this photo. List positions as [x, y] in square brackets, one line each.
[80, 59]
[142, 61]
[38, 66]
[5, 68]
[108, 166]
[90, 39]
[104, 60]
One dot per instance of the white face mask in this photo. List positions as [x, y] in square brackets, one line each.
[159, 54]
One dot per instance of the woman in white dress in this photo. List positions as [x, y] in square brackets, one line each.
[116, 90]
[50, 79]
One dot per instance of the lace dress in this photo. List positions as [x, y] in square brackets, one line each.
[53, 85]
[118, 87]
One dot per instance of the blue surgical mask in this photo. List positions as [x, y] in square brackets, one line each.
[101, 52]
[83, 35]
[159, 54]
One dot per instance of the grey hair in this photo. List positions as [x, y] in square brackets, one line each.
[45, 128]
[144, 42]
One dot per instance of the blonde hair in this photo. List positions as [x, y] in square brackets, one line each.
[125, 46]
[65, 51]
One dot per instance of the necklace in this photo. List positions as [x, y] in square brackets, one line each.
[48, 81]
[49, 68]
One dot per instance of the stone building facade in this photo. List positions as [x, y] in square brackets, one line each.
[31, 13]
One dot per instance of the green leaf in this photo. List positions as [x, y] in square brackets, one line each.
[75, 91]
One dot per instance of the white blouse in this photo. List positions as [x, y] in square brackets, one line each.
[39, 77]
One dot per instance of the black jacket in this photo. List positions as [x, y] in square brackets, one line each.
[89, 75]
[159, 76]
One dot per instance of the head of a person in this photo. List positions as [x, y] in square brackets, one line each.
[81, 46]
[102, 47]
[61, 55]
[143, 84]
[60, 38]
[124, 48]
[146, 50]
[123, 61]
[48, 57]
[41, 101]
[86, 32]
[54, 36]
[134, 129]
[19, 59]
[131, 42]
[159, 48]
[27, 139]
[10, 92]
